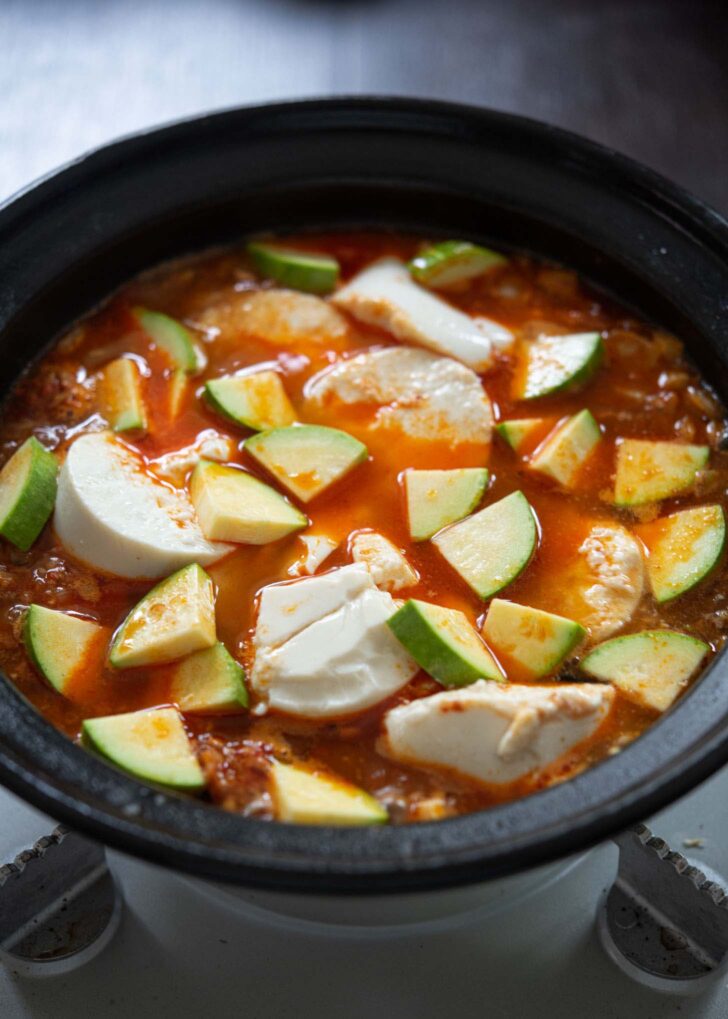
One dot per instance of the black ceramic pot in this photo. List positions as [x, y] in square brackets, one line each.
[421, 166]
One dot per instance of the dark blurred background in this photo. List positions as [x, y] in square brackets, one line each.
[649, 77]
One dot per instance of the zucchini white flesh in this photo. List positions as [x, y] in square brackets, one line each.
[306, 459]
[179, 391]
[684, 549]
[151, 745]
[112, 514]
[649, 471]
[652, 667]
[307, 797]
[174, 619]
[452, 262]
[209, 682]
[563, 454]
[387, 564]
[601, 583]
[258, 400]
[552, 364]
[384, 295]
[27, 493]
[300, 270]
[438, 498]
[322, 646]
[496, 733]
[444, 643]
[421, 394]
[529, 643]
[232, 505]
[120, 396]
[59, 644]
[493, 546]
[172, 337]
[520, 433]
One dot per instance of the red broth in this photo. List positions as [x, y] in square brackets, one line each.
[645, 388]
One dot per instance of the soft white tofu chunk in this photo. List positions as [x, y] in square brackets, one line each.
[322, 646]
[601, 581]
[278, 316]
[385, 295]
[495, 733]
[422, 394]
[209, 445]
[389, 568]
[317, 549]
[111, 513]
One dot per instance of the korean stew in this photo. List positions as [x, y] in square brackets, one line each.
[363, 528]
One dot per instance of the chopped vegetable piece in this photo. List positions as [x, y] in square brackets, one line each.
[27, 493]
[450, 262]
[651, 667]
[209, 682]
[59, 644]
[650, 471]
[151, 745]
[174, 619]
[684, 549]
[492, 547]
[303, 797]
[563, 454]
[120, 396]
[300, 270]
[172, 337]
[444, 643]
[232, 505]
[438, 498]
[529, 643]
[256, 401]
[306, 459]
[179, 387]
[521, 432]
[554, 363]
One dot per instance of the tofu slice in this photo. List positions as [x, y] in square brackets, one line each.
[385, 295]
[493, 733]
[389, 568]
[322, 646]
[602, 584]
[112, 514]
[421, 394]
[317, 549]
[177, 465]
[277, 316]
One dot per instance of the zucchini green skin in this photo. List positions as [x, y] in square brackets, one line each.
[172, 337]
[432, 651]
[299, 270]
[26, 515]
[578, 378]
[450, 262]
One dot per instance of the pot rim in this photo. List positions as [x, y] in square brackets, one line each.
[684, 747]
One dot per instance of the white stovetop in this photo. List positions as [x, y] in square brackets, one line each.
[178, 953]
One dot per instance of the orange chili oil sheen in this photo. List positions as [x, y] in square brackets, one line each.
[644, 388]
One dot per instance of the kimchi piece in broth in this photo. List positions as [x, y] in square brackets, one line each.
[360, 528]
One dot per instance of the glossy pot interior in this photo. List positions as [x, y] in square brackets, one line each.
[421, 166]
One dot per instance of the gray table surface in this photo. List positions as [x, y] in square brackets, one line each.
[648, 77]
